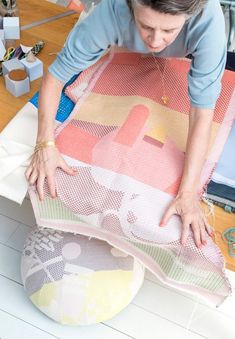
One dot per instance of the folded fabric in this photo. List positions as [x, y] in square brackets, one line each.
[222, 185]
[16, 147]
[222, 191]
[129, 154]
[220, 179]
[65, 105]
[225, 170]
[223, 201]
[230, 64]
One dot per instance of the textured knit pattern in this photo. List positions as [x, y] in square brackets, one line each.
[128, 151]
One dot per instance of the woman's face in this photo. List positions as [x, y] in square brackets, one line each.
[158, 30]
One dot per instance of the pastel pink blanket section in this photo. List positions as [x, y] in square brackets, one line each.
[125, 179]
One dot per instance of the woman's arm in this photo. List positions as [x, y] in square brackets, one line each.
[187, 203]
[45, 161]
[84, 46]
[199, 132]
[49, 96]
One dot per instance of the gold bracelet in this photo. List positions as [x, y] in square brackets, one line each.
[43, 144]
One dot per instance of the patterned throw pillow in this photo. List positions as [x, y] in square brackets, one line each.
[77, 280]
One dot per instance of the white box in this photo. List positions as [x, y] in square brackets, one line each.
[2, 35]
[33, 69]
[2, 50]
[11, 64]
[17, 88]
[11, 26]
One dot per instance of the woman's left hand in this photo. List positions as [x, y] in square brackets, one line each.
[187, 206]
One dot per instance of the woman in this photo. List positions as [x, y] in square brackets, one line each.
[170, 28]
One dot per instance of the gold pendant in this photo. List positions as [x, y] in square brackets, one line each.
[165, 100]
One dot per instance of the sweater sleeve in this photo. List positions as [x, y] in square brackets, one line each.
[87, 41]
[209, 59]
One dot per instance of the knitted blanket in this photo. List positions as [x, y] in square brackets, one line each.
[128, 150]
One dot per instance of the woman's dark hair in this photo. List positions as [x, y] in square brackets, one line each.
[173, 7]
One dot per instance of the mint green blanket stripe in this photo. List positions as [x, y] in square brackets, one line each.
[173, 270]
[52, 209]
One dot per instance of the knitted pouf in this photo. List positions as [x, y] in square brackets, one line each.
[77, 280]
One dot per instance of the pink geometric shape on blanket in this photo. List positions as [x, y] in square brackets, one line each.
[153, 141]
[125, 151]
[143, 161]
[131, 128]
[74, 142]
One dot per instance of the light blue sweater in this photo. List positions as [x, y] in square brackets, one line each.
[203, 36]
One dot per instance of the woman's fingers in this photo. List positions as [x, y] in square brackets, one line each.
[167, 215]
[33, 177]
[196, 233]
[200, 227]
[28, 172]
[65, 167]
[203, 232]
[40, 184]
[51, 184]
[43, 166]
[208, 227]
[185, 231]
[192, 217]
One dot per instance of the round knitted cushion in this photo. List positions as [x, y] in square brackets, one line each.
[77, 280]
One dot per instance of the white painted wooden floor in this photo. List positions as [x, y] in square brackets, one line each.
[156, 313]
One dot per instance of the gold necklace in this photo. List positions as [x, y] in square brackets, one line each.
[165, 99]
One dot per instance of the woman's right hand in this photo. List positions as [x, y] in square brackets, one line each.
[43, 166]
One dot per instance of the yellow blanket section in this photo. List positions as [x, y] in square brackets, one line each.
[163, 122]
[86, 298]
